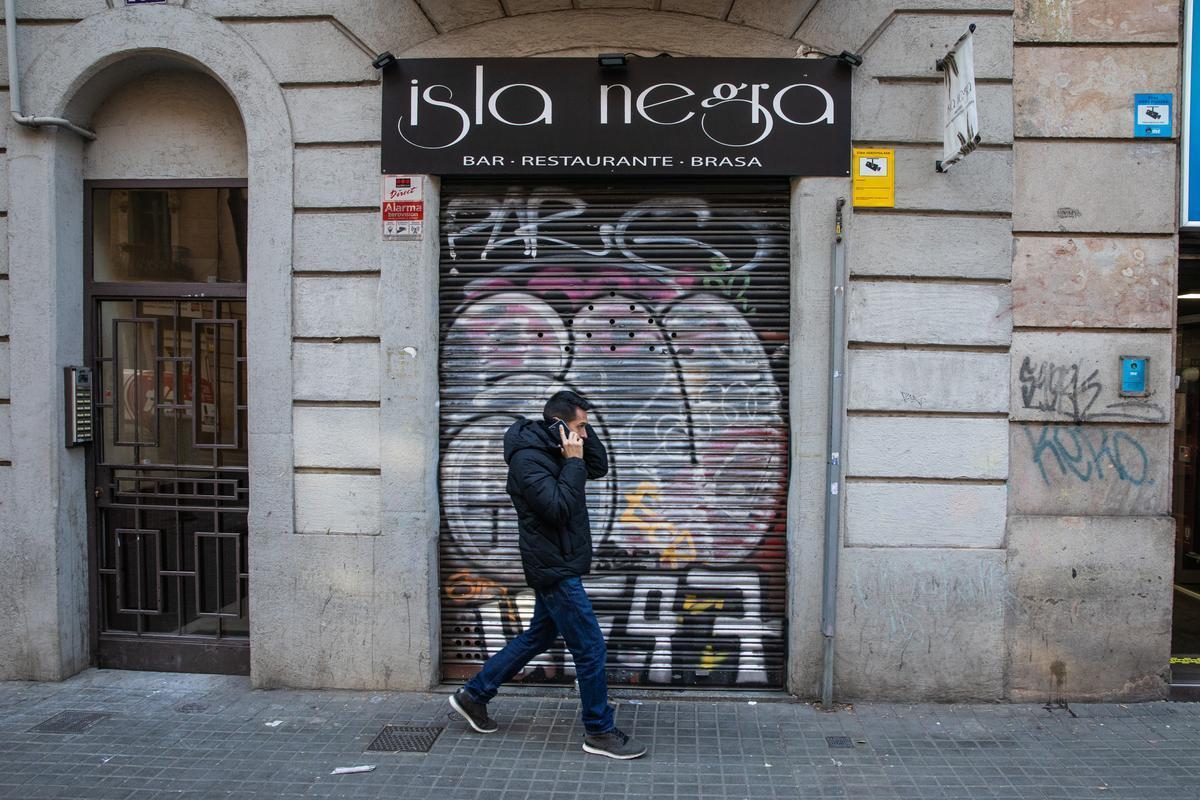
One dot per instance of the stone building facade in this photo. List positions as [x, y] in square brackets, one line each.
[1006, 520]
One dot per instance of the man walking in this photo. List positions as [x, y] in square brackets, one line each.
[549, 462]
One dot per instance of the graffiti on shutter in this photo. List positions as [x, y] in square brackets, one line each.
[668, 309]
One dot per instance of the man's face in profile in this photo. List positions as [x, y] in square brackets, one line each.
[579, 424]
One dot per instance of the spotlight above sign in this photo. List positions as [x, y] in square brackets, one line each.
[655, 116]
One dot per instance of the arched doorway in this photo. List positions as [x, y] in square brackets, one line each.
[165, 281]
[91, 63]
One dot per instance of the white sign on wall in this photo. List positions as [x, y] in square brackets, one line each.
[961, 134]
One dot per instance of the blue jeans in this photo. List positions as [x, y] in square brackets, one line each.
[562, 609]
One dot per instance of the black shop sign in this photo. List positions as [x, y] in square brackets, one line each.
[660, 116]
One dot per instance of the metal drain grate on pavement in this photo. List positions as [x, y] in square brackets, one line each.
[840, 741]
[70, 722]
[404, 739]
[191, 708]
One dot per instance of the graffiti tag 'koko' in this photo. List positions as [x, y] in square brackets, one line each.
[743, 116]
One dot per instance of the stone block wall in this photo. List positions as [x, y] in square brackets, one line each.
[12, 641]
[1090, 542]
[929, 327]
[993, 521]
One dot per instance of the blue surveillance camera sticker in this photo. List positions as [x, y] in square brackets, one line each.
[1152, 116]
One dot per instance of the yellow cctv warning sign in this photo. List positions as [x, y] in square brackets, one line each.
[874, 177]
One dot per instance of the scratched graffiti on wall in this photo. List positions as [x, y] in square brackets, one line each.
[670, 313]
[1074, 391]
[907, 604]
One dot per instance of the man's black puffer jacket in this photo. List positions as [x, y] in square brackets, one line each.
[548, 492]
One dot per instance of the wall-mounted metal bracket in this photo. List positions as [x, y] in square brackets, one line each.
[940, 64]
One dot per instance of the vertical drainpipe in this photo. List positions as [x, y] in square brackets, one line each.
[833, 469]
[14, 82]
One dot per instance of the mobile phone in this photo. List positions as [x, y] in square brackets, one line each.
[559, 430]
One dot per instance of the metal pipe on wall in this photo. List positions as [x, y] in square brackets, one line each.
[14, 82]
[833, 468]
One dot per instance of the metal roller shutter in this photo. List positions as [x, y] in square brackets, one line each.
[667, 306]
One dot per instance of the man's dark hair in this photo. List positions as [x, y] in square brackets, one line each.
[563, 404]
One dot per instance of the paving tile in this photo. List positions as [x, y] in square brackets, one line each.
[219, 745]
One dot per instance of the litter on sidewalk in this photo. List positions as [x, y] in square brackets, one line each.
[352, 770]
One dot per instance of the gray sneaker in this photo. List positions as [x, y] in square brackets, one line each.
[613, 744]
[474, 713]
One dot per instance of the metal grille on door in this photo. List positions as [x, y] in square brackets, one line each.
[668, 308]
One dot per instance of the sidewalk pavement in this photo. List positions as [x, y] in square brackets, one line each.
[155, 735]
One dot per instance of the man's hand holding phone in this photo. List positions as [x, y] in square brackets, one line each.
[572, 445]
